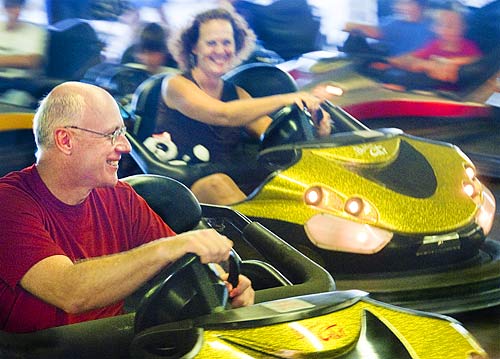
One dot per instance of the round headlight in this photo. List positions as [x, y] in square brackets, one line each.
[469, 189]
[354, 206]
[313, 196]
[470, 172]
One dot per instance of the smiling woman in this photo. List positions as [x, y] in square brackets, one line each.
[199, 101]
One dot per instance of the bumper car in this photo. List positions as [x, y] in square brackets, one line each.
[402, 217]
[184, 313]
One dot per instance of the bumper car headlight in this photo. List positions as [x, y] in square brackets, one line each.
[486, 212]
[338, 234]
[330, 201]
[470, 171]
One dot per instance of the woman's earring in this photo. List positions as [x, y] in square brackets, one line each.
[192, 60]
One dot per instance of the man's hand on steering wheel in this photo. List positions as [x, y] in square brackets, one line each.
[208, 244]
[242, 295]
[212, 247]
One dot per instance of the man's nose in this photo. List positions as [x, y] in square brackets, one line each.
[122, 144]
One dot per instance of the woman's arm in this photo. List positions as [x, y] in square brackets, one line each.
[258, 127]
[185, 96]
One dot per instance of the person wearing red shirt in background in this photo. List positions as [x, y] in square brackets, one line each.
[440, 60]
[74, 240]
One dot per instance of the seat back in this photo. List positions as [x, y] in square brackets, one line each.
[144, 105]
[169, 198]
[261, 79]
[119, 80]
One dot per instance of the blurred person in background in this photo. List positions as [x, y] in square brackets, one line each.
[437, 64]
[22, 49]
[407, 30]
[150, 49]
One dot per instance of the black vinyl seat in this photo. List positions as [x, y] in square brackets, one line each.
[172, 200]
[144, 105]
[261, 79]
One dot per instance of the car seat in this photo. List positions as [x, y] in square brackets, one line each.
[180, 209]
[261, 79]
[144, 105]
[119, 80]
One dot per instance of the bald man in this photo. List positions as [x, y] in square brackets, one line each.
[74, 240]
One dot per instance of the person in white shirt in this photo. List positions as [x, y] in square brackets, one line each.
[22, 44]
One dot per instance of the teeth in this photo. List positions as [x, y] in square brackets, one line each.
[113, 163]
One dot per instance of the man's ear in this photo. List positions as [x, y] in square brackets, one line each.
[63, 140]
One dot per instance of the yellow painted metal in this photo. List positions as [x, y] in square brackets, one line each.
[335, 334]
[16, 121]
[447, 209]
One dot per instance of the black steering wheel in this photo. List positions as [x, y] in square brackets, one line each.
[186, 289]
[291, 124]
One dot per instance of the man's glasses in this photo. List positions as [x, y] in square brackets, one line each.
[113, 136]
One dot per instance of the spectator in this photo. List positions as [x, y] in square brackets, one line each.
[74, 240]
[22, 48]
[150, 49]
[199, 107]
[437, 63]
[407, 31]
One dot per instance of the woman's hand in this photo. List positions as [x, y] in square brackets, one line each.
[322, 122]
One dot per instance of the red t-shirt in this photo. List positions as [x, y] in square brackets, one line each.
[35, 225]
[435, 48]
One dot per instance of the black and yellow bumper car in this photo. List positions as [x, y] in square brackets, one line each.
[402, 217]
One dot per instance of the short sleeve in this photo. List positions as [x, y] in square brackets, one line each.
[24, 240]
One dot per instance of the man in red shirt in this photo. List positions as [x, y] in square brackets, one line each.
[74, 240]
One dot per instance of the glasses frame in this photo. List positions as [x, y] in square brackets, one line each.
[113, 136]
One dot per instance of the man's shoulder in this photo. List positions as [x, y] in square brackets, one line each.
[16, 185]
[16, 179]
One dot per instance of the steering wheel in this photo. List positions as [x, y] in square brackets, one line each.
[186, 289]
[291, 124]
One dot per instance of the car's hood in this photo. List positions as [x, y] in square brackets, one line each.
[414, 185]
